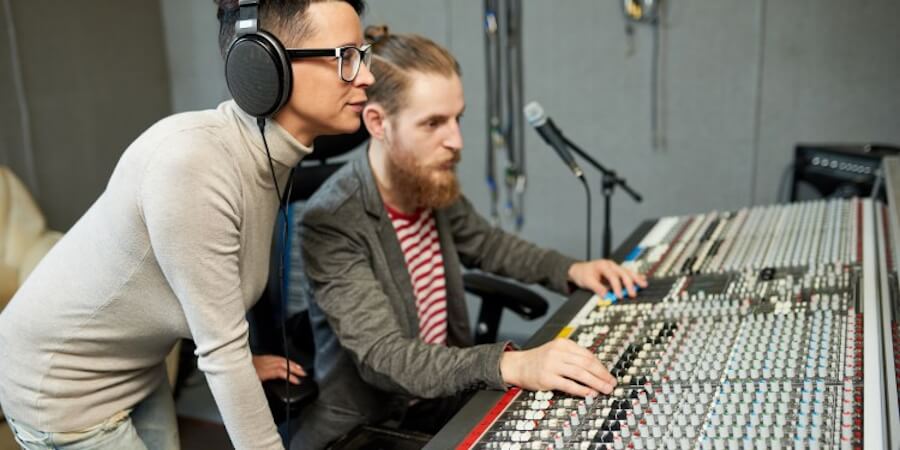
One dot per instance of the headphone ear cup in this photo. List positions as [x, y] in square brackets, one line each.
[258, 74]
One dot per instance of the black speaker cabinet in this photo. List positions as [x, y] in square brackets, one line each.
[837, 170]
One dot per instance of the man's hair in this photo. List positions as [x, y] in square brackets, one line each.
[395, 57]
[286, 19]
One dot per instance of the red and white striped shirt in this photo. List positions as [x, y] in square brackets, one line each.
[421, 247]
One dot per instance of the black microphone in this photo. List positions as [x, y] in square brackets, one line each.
[535, 115]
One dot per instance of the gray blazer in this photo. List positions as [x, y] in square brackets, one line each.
[369, 358]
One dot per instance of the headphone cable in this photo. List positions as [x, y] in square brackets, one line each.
[282, 208]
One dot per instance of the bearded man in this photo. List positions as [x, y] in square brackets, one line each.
[384, 241]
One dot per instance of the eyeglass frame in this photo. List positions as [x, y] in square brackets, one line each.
[365, 56]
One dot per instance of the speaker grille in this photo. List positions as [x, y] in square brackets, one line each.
[253, 77]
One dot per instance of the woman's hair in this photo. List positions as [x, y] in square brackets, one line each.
[395, 57]
[286, 19]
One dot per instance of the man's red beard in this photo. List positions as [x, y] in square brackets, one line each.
[424, 187]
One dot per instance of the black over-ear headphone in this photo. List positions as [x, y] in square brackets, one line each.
[257, 70]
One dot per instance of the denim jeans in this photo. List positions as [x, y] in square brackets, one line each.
[150, 425]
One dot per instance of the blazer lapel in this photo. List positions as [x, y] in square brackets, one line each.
[459, 333]
[405, 301]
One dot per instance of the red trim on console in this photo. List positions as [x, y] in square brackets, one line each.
[488, 420]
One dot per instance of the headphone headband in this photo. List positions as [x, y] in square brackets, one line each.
[248, 18]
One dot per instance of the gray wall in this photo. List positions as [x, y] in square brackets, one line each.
[831, 73]
[195, 64]
[12, 142]
[94, 77]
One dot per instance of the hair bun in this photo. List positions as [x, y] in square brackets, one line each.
[226, 7]
[376, 33]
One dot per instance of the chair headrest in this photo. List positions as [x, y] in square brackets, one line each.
[327, 147]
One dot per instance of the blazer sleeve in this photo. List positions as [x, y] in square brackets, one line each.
[493, 250]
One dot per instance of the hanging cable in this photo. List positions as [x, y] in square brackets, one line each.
[494, 135]
[282, 209]
[649, 12]
[516, 99]
[589, 230]
[505, 125]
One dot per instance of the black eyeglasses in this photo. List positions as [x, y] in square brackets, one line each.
[349, 58]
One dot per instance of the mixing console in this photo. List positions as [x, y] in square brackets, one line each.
[753, 334]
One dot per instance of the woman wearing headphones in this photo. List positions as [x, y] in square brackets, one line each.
[178, 244]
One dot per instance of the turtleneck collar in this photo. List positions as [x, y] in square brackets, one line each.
[284, 148]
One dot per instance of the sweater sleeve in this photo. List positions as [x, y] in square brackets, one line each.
[191, 204]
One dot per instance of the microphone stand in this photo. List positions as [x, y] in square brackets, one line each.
[609, 183]
[587, 191]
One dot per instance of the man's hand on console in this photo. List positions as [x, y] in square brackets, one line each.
[273, 367]
[597, 274]
[557, 365]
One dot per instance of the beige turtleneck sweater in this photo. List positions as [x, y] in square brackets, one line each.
[177, 246]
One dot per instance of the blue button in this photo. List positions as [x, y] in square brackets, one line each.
[634, 254]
